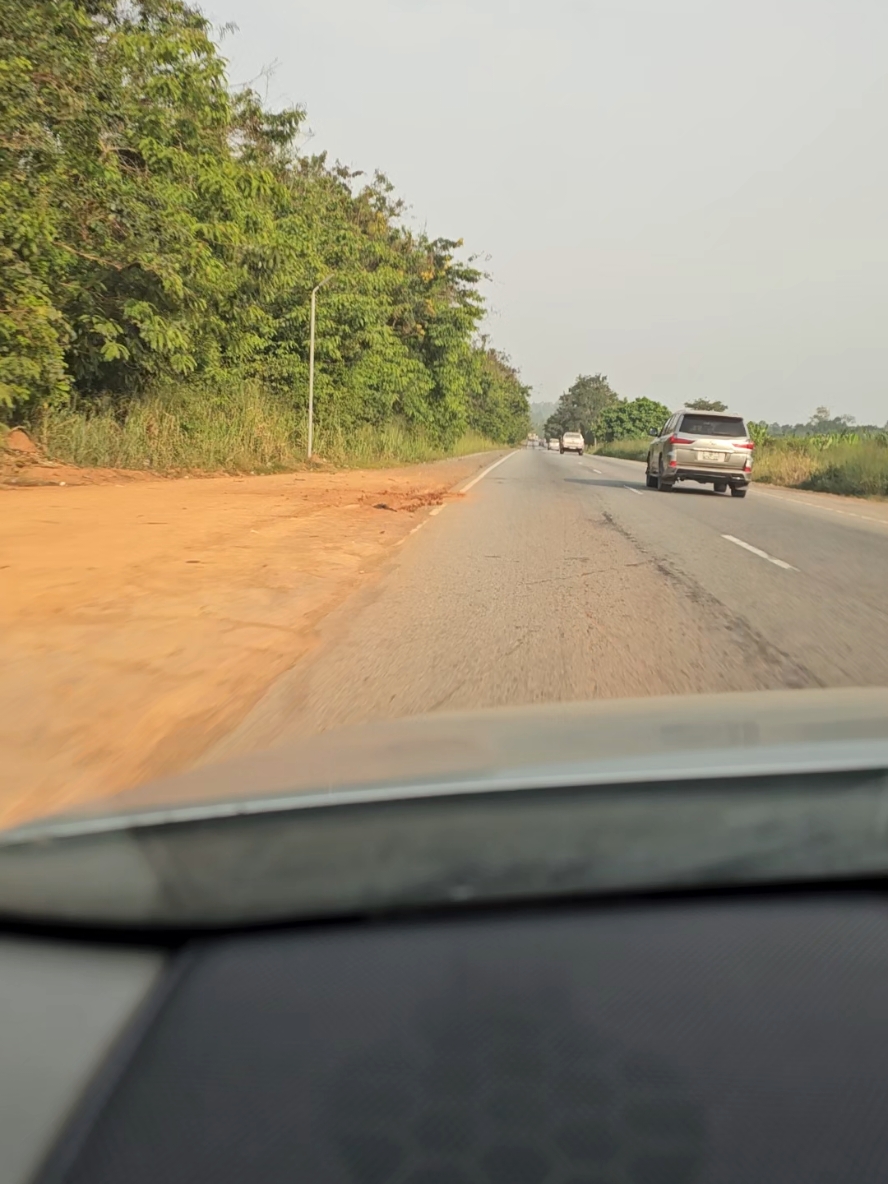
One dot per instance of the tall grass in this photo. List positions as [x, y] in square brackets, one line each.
[855, 467]
[625, 449]
[367, 447]
[778, 465]
[246, 430]
[169, 431]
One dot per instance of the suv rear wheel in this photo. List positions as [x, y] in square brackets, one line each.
[720, 486]
[649, 479]
[663, 483]
[738, 491]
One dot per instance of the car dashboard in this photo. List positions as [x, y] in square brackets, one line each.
[719, 1038]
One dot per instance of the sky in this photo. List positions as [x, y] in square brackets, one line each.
[690, 197]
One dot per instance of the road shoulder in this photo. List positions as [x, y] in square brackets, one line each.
[140, 622]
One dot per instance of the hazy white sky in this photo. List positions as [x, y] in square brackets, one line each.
[690, 196]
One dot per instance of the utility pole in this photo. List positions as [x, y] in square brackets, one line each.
[311, 361]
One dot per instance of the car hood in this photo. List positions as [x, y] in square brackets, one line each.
[524, 803]
[606, 741]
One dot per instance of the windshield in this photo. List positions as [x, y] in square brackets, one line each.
[712, 425]
[286, 325]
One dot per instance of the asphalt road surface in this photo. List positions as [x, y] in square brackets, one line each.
[562, 578]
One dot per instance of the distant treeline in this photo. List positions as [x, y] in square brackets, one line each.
[591, 406]
[159, 230]
[824, 423]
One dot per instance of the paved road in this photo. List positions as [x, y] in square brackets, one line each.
[559, 578]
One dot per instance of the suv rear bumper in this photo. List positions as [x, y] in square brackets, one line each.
[730, 476]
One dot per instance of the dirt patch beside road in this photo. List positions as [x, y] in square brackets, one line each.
[140, 621]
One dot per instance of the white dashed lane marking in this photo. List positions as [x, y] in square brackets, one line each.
[761, 554]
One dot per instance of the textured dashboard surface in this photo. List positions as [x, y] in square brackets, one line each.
[720, 1042]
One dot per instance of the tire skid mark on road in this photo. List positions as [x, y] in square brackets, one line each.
[581, 575]
[790, 672]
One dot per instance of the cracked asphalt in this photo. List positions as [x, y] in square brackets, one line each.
[553, 580]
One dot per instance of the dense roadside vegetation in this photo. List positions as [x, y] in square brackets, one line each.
[855, 464]
[827, 453]
[159, 238]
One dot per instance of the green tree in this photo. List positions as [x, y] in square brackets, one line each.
[157, 230]
[580, 406]
[136, 232]
[499, 403]
[629, 420]
[707, 405]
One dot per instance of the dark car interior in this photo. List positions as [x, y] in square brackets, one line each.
[735, 1037]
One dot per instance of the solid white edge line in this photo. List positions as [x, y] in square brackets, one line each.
[640, 492]
[761, 554]
[484, 472]
[802, 501]
[465, 488]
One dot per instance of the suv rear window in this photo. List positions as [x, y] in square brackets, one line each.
[715, 425]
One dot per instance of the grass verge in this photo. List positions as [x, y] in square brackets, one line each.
[367, 447]
[251, 431]
[857, 469]
[625, 449]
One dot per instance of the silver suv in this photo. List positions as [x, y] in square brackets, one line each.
[712, 447]
[573, 442]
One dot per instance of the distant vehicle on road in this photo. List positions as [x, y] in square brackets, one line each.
[573, 442]
[554, 445]
[710, 447]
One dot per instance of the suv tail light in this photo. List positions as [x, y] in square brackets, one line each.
[679, 440]
[750, 444]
